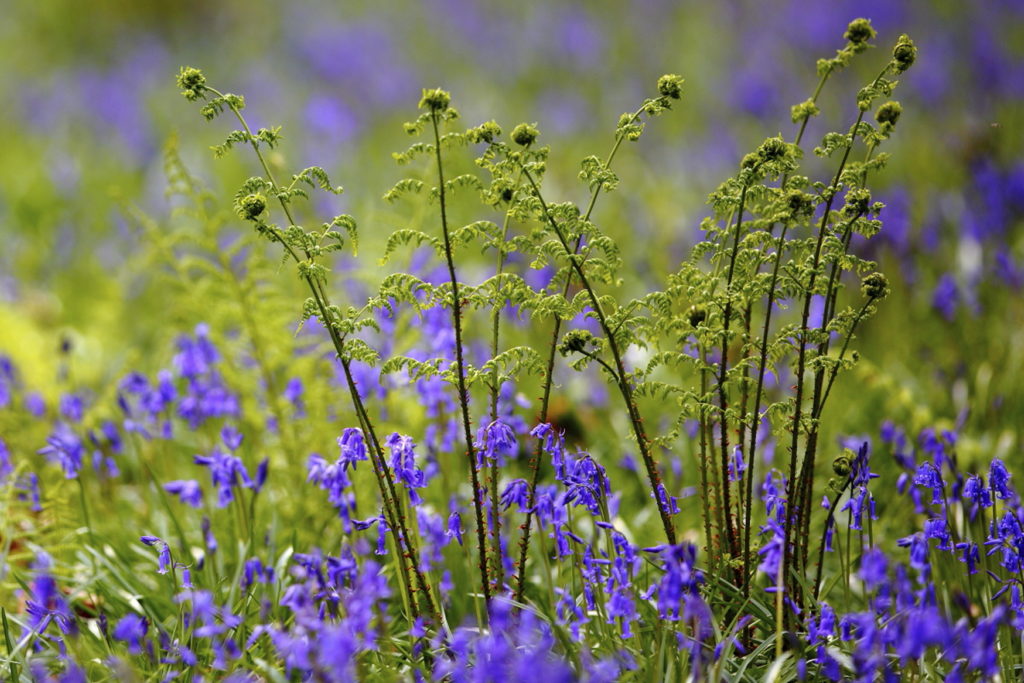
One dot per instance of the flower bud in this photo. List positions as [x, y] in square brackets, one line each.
[485, 132]
[859, 31]
[889, 113]
[251, 206]
[843, 464]
[858, 202]
[773, 149]
[799, 203]
[435, 100]
[696, 315]
[875, 286]
[192, 82]
[575, 341]
[524, 134]
[904, 54]
[671, 85]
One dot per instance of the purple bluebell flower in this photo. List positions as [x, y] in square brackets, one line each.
[72, 407]
[293, 392]
[433, 530]
[570, 613]
[586, 482]
[999, 478]
[977, 493]
[65, 448]
[131, 629]
[225, 473]
[918, 551]
[455, 526]
[164, 557]
[554, 445]
[262, 470]
[231, 437]
[334, 479]
[771, 552]
[927, 476]
[403, 464]
[187, 490]
[737, 466]
[35, 404]
[195, 356]
[516, 493]
[45, 603]
[6, 466]
[496, 441]
[353, 447]
[937, 528]
[873, 568]
[946, 296]
[209, 540]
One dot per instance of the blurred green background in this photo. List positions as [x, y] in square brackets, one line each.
[89, 102]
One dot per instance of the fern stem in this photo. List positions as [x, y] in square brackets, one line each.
[384, 478]
[498, 566]
[524, 541]
[461, 370]
[621, 379]
[763, 357]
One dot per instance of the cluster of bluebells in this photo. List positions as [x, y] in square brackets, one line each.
[924, 607]
[318, 614]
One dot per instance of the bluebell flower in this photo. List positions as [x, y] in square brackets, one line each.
[187, 490]
[209, 540]
[434, 531]
[496, 441]
[873, 568]
[72, 407]
[937, 528]
[225, 473]
[737, 466]
[969, 555]
[586, 482]
[918, 551]
[667, 502]
[7, 381]
[621, 606]
[131, 629]
[45, 603]
[66, 448]
[403, 464]
[927, 476]
[570, 613]
[164, 557]
[35, 404]
[977, 493]
[195, 356]
[29, 486]
[516, 493]
[455, 526]
[253, 570]
[554, 445]
[999, 479]
[6, 466]
[771, 552]
[231, 437]
[262, 470]
[946, 296]
[293, 392]
[353, 447]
